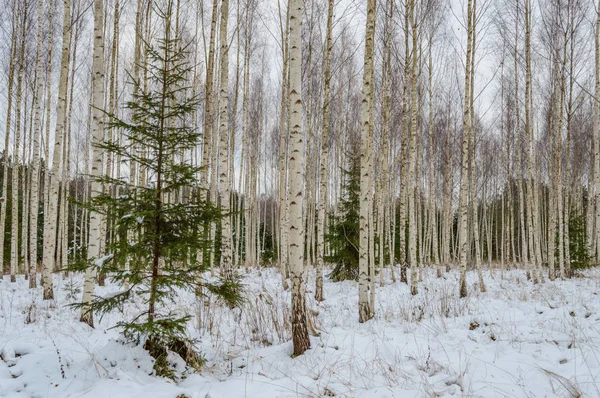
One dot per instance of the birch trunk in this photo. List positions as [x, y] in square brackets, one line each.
[434, 259]
[569, 164]
[224, 185]
[553, 172]
[4, 202]
[50, 217]
[412, 159]
[405, 153]
[524, 258]
[463, 205]
[296, 182]
[448, 197]
[384, 160]
[63, 220]
[532, 213]
[26, 182]
[231, 173]
[365, 312]
[244, 157]
[595, 252]
[46, 194]
[474, 200]
[324, 158]
[35, 170]
[283, 189]
[14, 247]
[207, 129]
[558, 177]
[95, 243]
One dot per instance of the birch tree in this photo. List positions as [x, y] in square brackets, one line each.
[208, 116]
[463, 201]
[224, 184]
[413, 229]
[596, 135]
[96, 237]
[14, 248]
[10, 84]
[365, 312]
[532, 203]
[283, 182]
[50, 217]
[296, 182]
[35, 170]
[324, 157]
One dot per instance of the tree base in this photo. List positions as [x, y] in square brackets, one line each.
[364, 312]
[32, 281]
[319, 290]
[87, 317]
[159, 351]
[414, 290]
[482, 287]
[403, 274]
[48, 293]
[299, 320]
[463, 286]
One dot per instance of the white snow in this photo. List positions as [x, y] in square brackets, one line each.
[516, 340]
[102, 260]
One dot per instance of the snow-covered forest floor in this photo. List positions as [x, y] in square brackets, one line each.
[516, 340]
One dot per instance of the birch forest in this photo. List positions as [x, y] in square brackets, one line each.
[265, 198]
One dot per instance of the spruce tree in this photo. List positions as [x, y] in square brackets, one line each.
[155, 267]
[344, 229]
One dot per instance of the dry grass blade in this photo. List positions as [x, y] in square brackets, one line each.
[570, 388]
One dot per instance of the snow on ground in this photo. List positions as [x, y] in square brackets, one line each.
[516, 340]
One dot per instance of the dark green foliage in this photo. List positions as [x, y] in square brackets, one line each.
[269, 254]
[344, 230]
[157, 226]
[6, 200]
[580, 257]
[159, 349]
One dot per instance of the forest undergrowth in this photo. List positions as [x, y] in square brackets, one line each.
[517, 339]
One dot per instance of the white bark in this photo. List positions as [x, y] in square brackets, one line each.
[365, 312]
[283, 183]
[50, 217]
[463, 201]
[324, 158]
[35, 171]
[207, 131]
[596, 134]
[532, 203]
[11, 75]
[296, 183]
[224, 184]
[96, 238]
[412, 160]
[14, 247]
[474, 201]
